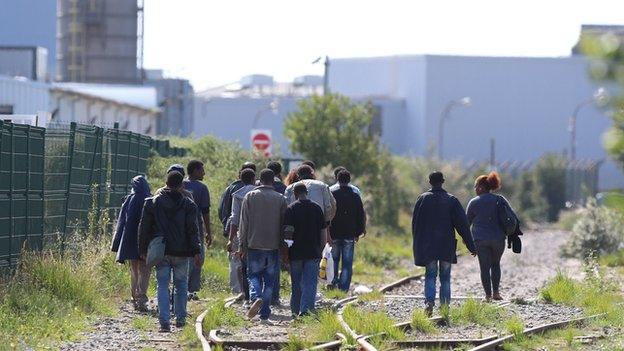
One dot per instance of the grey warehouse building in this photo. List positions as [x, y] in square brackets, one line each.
[524, 103]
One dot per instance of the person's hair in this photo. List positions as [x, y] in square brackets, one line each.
[344, 177]
[174, 179]
[248, 176]
[193, 165]
[300, 188]
[267, 176]
[176, 167]
[292, 177]
[490, 182]
[309, 163]
[337, 170]
[249, 165]
[436, 178]
[275, 166]
[305, 172]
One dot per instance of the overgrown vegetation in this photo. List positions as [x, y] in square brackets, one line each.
[371, 323]
[218, 316]
[594, 295]
[421, 322]
[515, 327]
[50, 296]
[598, 231]
[477, 312]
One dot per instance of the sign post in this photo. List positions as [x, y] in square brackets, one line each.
[261, 141]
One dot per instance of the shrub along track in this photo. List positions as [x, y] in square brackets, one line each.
[522, 276]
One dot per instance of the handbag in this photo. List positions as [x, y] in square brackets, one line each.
[155, 251]
[506, 217]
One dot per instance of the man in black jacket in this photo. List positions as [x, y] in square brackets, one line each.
[346, 228]
[174, 217]
[437, 215]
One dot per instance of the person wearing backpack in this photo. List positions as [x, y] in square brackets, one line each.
[489, 216]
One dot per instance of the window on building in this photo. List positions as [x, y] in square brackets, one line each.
[375, 127]
[6, 109]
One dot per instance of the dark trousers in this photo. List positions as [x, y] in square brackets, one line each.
[490, 253]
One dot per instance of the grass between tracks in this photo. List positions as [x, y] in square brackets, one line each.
[595, 295]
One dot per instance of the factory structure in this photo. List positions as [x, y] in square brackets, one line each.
[88, 57]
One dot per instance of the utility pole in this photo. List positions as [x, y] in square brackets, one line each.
[326, 76]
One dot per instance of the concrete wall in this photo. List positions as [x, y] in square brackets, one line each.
[523, 103]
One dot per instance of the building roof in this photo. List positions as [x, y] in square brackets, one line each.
[136, 95]
[260, 86]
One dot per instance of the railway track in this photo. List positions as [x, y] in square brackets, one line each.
[364, 342]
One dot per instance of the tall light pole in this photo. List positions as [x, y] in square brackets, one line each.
[325, 73]
[272, 106]
[599, 97]
[465, 101]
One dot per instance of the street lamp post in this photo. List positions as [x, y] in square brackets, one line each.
[599, 97]
[465, 101]
[325, 73]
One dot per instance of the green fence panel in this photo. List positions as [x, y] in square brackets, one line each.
[50, 179]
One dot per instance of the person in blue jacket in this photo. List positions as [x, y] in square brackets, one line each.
[125, 242]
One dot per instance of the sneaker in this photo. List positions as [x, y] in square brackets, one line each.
[193, 296]
[165, 328]
[141, 307]
[254, 308]
[180, 324]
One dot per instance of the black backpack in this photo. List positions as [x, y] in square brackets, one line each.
[507, 219]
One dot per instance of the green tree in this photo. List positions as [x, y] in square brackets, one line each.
[333, 130]
[607, 53]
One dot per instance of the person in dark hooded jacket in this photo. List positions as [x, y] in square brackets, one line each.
[125, 241]
[173, 216]
[437, 215]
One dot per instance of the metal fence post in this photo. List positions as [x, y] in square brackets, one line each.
[70, 155]
[28, 187]
[11, 207]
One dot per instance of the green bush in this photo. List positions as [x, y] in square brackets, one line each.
[598, 231]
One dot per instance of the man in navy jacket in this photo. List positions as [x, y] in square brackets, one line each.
[437, 215]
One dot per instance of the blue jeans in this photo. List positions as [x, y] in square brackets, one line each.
[304, 278]
[194, 279]
[276, 288]
[431, 273]
[261, 274]
[343, 248]
[180, 267]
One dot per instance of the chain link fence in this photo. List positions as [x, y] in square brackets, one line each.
[54, 181]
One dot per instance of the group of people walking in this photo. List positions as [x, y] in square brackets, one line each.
[272, 223]
[483, 227]
[269, 223]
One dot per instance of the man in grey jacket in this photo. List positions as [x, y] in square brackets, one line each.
[248, 177]
[261, 236]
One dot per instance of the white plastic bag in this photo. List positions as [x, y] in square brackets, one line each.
[326, 268]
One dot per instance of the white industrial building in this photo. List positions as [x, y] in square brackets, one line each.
[522, 103]
[134, 107]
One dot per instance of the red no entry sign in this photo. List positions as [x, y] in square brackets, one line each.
[261, 140]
